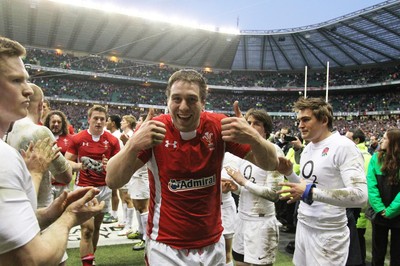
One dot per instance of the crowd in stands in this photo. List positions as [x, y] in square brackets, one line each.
[372, 125]
[147, 71]
[360, 101]
[124, 98]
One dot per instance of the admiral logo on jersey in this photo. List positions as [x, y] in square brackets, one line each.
[191, 184]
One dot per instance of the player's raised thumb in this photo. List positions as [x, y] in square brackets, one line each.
[236, 109]
[150, 115]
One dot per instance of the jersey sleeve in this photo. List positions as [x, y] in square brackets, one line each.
[19, 224]
[72, 147]
[350, 163]
[117, 146]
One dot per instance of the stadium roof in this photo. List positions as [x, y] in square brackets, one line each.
[368, 36]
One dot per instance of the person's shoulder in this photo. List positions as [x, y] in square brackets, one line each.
[165, 118]
[43, 132]
[6, 149]
[341, 140]
[111, 137]
[374, 157]
[212, 116]
[207, 118]
[79, 135]
[66, 136]
[14, 158]
[279, 151]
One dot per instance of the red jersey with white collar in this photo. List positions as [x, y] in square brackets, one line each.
[185, 184]
[83, 144]
[62, 142]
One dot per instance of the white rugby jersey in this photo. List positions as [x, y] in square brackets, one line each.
[233, 162]
[336, 166]
[253, 201]
[24, 131]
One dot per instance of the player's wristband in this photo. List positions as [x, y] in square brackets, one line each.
[307, 195]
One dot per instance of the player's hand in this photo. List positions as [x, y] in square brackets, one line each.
[150, 134]
[292, 192]
[236, 175]
[297, 143]
[228, 185]
[91, 164]
[124, 138]
[236, 129]
[104, 161]
[40, 154]
[82, 205]
[58, 206]
[285, 166]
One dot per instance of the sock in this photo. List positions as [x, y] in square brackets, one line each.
[87, 260]
[143, 219]
[124, 211]
[229, 263]
[114, 213]
[129, 220]
[140, 228]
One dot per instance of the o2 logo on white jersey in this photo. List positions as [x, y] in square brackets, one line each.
[208, 137]
[307, 172]
[248, 174]
[191, 184]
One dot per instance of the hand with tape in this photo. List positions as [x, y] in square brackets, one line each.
[91, 164]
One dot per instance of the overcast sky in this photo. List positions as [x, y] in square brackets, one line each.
[250, 14]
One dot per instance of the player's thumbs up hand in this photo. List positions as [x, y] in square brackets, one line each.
[236, 109]
[236, 128]
[150, 115]
[150, 133]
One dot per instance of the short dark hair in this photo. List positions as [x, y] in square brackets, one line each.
[97, 108]
[191, 76]
[319, 108]
[358, 134]
[262, 116]
[117, 120]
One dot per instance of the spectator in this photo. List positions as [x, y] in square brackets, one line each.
[384, 197]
